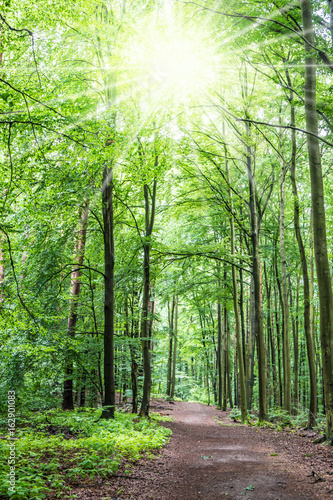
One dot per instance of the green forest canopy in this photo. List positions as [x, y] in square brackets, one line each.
[163, 222]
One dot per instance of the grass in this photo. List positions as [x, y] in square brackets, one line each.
[55, 448]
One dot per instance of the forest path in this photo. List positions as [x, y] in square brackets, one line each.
[207, 460]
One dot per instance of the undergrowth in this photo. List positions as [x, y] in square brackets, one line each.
[279, 419]
[56, 448]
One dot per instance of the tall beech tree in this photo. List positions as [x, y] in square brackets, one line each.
[305, 274]
[171, 319]
[80, 242]
[107, 200]
[319, 219]
[284, 291]
[241, 367]
[174, 357]
[150, 205]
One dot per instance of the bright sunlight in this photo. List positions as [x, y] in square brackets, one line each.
[181, 64]
[173, 63]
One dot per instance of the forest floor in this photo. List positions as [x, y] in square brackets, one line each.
[210, 457]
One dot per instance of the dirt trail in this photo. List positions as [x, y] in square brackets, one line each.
[207, 460]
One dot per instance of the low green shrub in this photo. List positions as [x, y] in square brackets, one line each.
[55, 448]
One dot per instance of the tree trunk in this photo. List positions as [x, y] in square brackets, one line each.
[149, 218]
[109, 386]
[151, 311]
[330, 6]
[242, 387]
[259, 325]
[284, 298]
[83, 390]
[241, 310]
[228, 374]
[173, 378]
[169, 369]
[144, 410]
[219, 344]
[2, 271]
[273, 355]
[134, 366]
[271, 345]
[251, 342]
[80, 241]
[295, 323]
[225, 360]
[318, 211]
[277, 324]
[305, 274]
[207, 379]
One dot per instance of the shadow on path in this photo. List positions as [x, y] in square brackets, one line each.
[207, 460]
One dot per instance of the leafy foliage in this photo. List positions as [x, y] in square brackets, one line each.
[49, 456]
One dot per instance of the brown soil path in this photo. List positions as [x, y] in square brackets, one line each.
[207, 460]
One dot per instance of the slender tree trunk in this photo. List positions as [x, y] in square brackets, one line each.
[319, 222]
[241, 310]
[219, 344]
[169, 369]
[277, 323]
[205, 370]
[149, 218]
[225, 360]
[305, 274]
[207, 379]
[2, 270]
[311, 294]
[68, 400]
[259, 325]
[175, 331]
[295, 323]
[151, 311]
[330, 6]
[109, 383]
[2, 258]
[273, 354]
[239, 350]
[83, 390]
[134, 366]
[251, 342]
[284, 298]
[270, 333]
[144, 410]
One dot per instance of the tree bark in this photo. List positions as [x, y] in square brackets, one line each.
[2, 274]
[149, 218]
[228, 371]
[305, 274]
[270, 335]
[295, 324]
[219, 345]
[225, 359]
[284, 297]
[251, 342]
[318, 211]
[109, 384]
[82, 401]
[242, 386]
[80, 241]
[330, 6]
[131, 335]
[169, 369]
[259, 326]
[277, 324]
[173, 378]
